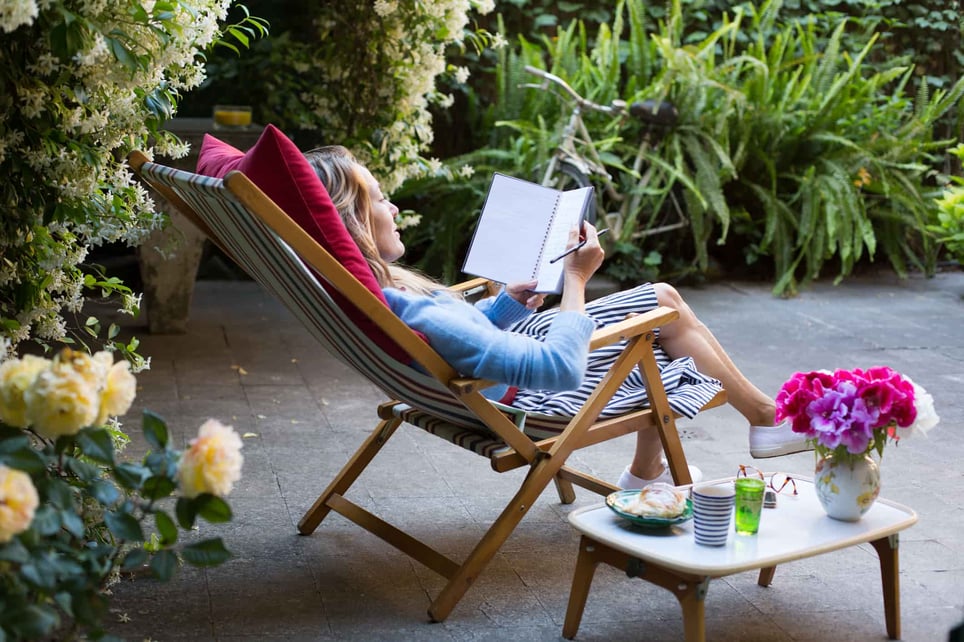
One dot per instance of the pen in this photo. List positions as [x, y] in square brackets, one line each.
[577, 246]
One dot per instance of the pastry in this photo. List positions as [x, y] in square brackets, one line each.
[658, 500]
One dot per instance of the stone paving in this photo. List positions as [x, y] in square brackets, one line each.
[246, 362]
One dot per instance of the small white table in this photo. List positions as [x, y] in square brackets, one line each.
[797, 528]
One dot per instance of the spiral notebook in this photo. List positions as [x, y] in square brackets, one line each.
[522, 227]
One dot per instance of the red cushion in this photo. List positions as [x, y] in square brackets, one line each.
[281, 171]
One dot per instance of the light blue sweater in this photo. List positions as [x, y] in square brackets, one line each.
[474, 341]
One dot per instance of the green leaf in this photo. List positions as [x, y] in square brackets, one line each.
[210, 552]
[33, 622]
[122, 53]
[12, 440]
[46, 521]
[157, 487]
[28, 460]
[86, 472]
[14, 551]
[186, 512]
[135, 559]
[164, 563]
[131, 476]
[212, 508]
[124, 526]
[97, 444]
[166, 527]
[105, 492]
[72, 522]
[155, 430]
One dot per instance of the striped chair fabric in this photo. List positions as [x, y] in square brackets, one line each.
[274, 265]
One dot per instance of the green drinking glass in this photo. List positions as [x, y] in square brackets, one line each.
[749, 504]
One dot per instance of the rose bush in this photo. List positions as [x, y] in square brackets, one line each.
[73, 514]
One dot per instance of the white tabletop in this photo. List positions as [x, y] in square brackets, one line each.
[797, 528]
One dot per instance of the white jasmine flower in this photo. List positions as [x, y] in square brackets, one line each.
[484, 7]
[385, 7]
[14, 13]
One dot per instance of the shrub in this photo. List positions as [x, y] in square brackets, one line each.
[950, 218]
[790, 146]
[82, 84]
[73, 514]
[361, 75]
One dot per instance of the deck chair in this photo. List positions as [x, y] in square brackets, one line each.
[293, 266]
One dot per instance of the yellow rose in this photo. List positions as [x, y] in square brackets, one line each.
[212, 462]
[16, 376]
[93, 368]
[61, 402]
[119, 392]
[18, 502]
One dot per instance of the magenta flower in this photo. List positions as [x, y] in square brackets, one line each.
[849, 412]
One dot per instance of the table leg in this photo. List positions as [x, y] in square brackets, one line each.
[694, 617]
[887, 551]
[585, 569]
[766, 576]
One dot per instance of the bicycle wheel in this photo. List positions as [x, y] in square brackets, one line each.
[568, 176]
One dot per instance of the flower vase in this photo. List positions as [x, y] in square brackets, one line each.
[847, 488]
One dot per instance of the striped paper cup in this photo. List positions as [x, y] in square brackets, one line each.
[712, 511]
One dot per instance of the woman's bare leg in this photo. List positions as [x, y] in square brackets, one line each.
[687, 336]
[647, 460]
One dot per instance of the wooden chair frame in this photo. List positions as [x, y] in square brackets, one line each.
[546, 458]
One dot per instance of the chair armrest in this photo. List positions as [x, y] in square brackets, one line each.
[633, 326]
[465, 385]
[472, 287]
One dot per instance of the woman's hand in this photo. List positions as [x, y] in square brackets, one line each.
[584, 262]
[523, 293]
[580, 265]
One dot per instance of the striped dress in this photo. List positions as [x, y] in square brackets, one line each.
[687, 389]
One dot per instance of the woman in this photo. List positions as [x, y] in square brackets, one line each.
[542, 360]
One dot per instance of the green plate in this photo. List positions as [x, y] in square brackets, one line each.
[622, 499]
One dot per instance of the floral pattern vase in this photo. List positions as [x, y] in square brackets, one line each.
[847, 489]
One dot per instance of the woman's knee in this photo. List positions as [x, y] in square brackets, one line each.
[667, 295]
[670, 297]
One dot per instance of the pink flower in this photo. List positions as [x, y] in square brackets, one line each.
[797, 394]
[891, 394]
[851, 412]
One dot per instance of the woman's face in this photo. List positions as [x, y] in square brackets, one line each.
[387, 239]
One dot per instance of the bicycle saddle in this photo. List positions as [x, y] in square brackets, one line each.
[655, 113]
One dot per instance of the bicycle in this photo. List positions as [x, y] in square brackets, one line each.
[576, 161]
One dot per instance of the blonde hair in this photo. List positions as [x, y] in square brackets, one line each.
[339, 173]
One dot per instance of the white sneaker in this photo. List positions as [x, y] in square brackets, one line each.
[629, 481]
[774, 441]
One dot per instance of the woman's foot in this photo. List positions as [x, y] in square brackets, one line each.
[629, 481]
[775, 441]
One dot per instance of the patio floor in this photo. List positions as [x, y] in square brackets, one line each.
[247, 362]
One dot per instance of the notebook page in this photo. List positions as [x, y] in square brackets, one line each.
[569, 214]
[511, 231]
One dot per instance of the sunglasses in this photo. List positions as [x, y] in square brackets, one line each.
[778, 482]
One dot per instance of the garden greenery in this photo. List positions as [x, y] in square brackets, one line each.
[82, 84]
[949, 227]
[73, 515]
[362, 77]
[791, 149]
